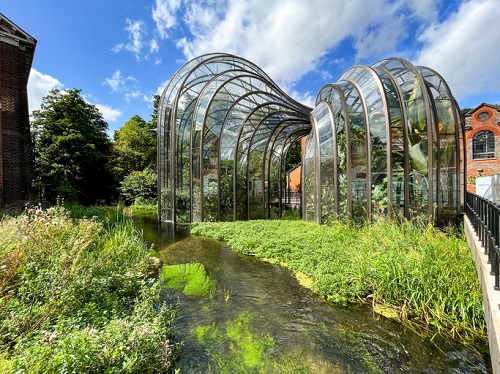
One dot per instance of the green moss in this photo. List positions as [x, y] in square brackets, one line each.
[192, 278]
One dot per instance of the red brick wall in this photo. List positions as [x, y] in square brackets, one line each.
[482, 167]
[16, 156]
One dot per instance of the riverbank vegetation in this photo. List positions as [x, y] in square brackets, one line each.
[75, 296]
[415, 273]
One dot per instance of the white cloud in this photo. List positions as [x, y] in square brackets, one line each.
[304, 98]
[116, 81]
[164, 15]
[153, 46]
[464, 48]
[127, 85]
[109, 114]
[39, 85]
[161, 87]
[137, 41]
[132, 94]
[289, 38]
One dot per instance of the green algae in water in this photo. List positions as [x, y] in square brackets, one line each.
[248, 351]
[192, 278]
[248, 348]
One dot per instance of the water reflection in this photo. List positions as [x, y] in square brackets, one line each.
[260, 320]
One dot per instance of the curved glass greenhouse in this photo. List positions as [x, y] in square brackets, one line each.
[384, 139]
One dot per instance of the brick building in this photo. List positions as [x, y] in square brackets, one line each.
[482, 126]
[16, 157]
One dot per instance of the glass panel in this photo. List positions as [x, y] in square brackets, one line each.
[396, 145]
[384, 141]
[358, 155]
[418, 153]
[323, 120]
[256, 198]
[309, 178]
[448, 187]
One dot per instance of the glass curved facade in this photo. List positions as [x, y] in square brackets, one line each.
[385, 139]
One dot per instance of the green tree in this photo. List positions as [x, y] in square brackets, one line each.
[72, 149]
[139, 187]
[135, 147]
[154, 115]
[294, 155]
[465, 110]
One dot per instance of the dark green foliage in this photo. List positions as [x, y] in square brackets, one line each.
[464, 111]
[294, 155]
[139, 187]
[72, 149]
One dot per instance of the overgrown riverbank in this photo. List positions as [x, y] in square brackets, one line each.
[74, 295]
[424, 277]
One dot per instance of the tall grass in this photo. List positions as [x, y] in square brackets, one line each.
[424, 275]
[74, 296]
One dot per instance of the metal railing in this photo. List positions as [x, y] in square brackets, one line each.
[484, 216]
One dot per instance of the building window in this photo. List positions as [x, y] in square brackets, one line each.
[483, 116]
[483, 145]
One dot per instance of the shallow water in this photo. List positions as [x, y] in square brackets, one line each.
[258, 319]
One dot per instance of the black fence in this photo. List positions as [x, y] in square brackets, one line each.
[484, 216]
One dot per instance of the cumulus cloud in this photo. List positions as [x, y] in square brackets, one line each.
[464, 48]
[164, 15]
[108, 113]
[289, 38]
[293, 39]
[39, 85]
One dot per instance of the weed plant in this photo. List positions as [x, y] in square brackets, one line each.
[425, 275]
[74, 297]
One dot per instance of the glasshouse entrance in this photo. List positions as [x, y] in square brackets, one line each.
[383, 140]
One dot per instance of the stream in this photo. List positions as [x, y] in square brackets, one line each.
[258, 319]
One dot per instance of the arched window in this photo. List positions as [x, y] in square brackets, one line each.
[483, 145]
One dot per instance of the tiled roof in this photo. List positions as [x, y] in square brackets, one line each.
[493, 106]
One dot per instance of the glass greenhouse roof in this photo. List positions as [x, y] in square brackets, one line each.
[383, 140]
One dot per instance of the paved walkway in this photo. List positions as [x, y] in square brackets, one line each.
[491, 297]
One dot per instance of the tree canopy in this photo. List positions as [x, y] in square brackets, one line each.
[72, 149]
[135, 146]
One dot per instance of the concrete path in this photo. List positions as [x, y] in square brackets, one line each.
[491, 297]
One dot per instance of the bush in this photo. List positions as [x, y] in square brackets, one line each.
[74, 297]
[139, 186]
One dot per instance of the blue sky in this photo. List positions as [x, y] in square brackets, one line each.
[122, 52]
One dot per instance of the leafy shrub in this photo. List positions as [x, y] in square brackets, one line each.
[74, 298]
[139, 185]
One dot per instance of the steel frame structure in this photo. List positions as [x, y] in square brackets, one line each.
[386, 139]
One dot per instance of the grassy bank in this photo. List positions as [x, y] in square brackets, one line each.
[74, 295]
[422, 276]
